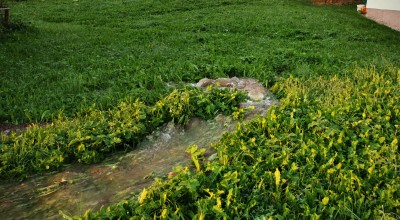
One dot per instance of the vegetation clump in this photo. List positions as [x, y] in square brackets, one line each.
[90, 137]
[329, 151]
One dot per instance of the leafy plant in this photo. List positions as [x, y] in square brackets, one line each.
[90, 137]
[329, 151]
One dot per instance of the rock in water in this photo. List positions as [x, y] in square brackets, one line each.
[205, 82]
[260, 97]
[226, 82]
[254, 89]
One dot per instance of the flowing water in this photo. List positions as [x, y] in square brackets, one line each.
[80, 187]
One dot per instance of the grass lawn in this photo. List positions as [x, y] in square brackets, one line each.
[65, 56]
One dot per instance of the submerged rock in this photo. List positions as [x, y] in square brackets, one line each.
[254, 89]
[205, 82]
[260, 97]
[227, 82]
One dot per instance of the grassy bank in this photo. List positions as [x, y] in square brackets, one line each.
[329, 151]
[67, 55]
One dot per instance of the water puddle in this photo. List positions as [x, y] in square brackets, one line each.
[80, 187]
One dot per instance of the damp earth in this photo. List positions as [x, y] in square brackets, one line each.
[80, 187]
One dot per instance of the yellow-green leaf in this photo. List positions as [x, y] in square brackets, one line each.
[277, 177]
[143, 196]
[394, 142]
[164, 213]
[218, 206]
[371, 169]
[325, 200]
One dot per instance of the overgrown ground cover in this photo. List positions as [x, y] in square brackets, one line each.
[90, 137]
[330, 151]
[67, 55]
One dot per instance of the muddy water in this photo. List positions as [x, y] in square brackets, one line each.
[81, 187]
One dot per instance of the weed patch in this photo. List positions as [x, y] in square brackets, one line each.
[329, 151]
[90, 137]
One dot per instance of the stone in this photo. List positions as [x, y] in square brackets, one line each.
[205, 82]
[226, 82]
[256, 95]
[254, 89]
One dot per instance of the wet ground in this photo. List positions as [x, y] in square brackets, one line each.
[80, 187]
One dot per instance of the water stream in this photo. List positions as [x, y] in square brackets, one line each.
[80, 187]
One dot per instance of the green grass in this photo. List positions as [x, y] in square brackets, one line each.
[67, 55]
